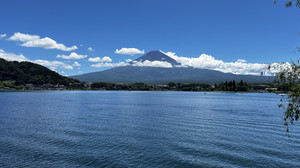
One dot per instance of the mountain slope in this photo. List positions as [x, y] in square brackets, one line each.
[157, 56]
[158, 75]
[154, 75]
[27, 72]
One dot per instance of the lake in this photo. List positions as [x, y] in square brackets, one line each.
[144, 129]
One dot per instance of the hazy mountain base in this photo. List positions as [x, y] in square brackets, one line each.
[155, 75]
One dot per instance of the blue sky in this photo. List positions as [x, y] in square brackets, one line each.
[253, 30]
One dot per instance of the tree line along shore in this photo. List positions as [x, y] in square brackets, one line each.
[29, 76]
[227, 86]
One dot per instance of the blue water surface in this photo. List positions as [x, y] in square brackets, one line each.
[144, 129]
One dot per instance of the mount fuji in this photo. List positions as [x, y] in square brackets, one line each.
[162, 75]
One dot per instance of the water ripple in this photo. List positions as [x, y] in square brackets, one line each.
[144, 129]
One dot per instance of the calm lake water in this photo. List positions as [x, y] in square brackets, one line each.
[144, 129]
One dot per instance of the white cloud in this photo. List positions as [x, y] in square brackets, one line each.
[12, 57]
[90, 49]
[106, 59]
[108, 65]
[98, 59]
[134, 63]
[23, 37]
[76, 64]
[73, 55]
[35, 41]
[203, 61]
[148, 63]
[208, 62]
[129, 51]
[2, 36]
[52, 64]
[241, 60]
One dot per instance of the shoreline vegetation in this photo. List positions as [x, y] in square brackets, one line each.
[29, 76]
[227, 86]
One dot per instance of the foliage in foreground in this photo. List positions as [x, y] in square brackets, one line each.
[287, 80]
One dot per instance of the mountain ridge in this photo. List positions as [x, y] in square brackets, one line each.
[157, 56]
[154, 75]
[161, 75]
[28, 72]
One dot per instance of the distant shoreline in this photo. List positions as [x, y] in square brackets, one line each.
[16, 90]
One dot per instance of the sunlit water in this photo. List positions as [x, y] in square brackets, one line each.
[144, 129]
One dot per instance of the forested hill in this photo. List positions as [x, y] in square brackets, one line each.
[27, 72]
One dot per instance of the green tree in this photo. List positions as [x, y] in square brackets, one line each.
[233, 85]
[172, 84]
[287, 80]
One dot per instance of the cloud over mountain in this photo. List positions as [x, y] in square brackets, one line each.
[98, 59]
[204, 61]
[12, 57]
[108, 65]
[36, 41]
[148, 63]
[129, 51]
[51, 64]
[73, 55]
[106, 59]
[209, 62]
